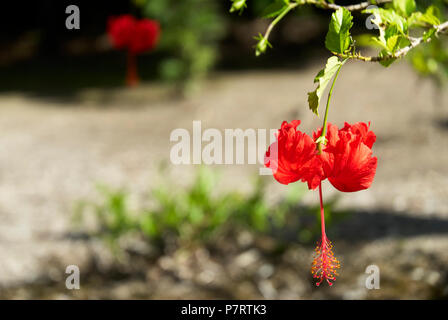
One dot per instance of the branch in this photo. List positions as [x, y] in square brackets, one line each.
[279, 17]
[322, 4]
[353, 7]
[263, 40]
[441, 28]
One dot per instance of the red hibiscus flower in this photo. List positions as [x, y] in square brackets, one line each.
[345, 158]
[136, 36]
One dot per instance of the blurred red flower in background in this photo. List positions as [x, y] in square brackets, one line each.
[120, 30]
[146, 35]
[135, 36]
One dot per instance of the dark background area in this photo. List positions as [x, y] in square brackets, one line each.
[34, 43]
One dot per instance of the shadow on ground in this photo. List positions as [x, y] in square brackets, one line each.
[373, 225]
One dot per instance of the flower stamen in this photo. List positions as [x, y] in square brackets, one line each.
[325, 263]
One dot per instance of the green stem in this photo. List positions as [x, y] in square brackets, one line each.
[324, 125]
[279, 17]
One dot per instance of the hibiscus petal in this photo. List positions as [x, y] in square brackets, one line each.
[354, 167]
[293, 157]
[361, 129]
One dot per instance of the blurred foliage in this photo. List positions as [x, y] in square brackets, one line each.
[191, 30]
[432, 59]
[196, 215]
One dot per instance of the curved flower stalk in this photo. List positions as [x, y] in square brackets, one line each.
[135, 36]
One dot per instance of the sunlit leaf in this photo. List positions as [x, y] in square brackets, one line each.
[338, 36]
[388, 17]
[323, 78]
[404, 7]
[386, 62]
[429, 17]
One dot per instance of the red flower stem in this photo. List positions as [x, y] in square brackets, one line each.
[132, 76]
[322, 215]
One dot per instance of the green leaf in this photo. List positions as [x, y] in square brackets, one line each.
[389, 39]
[380, 41]
[313, 101]
[432, 15]
[323, 78]
[274, 9]
[338, 37]
[388, 17]
[393, 38]
[404, 7]
[365, 40]
[387, 62]
[429, 17]
[238, 5]
[392, 43]
[428, 34]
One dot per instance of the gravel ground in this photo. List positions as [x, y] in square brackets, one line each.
[53, 150]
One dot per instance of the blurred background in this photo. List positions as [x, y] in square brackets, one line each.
[86, 179]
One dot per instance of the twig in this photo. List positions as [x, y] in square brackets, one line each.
[353, 7]
[322, 4]
[441, 28]
[279, 17]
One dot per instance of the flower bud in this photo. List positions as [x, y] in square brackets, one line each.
[261, 45]
[238, 5]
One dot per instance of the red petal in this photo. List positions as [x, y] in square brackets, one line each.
[353, 166]
[120, 30]
[146, 36]
[331, 136]
[293, 157]
[361, 129]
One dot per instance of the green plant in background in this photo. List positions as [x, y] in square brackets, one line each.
[196, 215]
[432, 60]
[191, 214]
[191, 32]
[113, 215]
